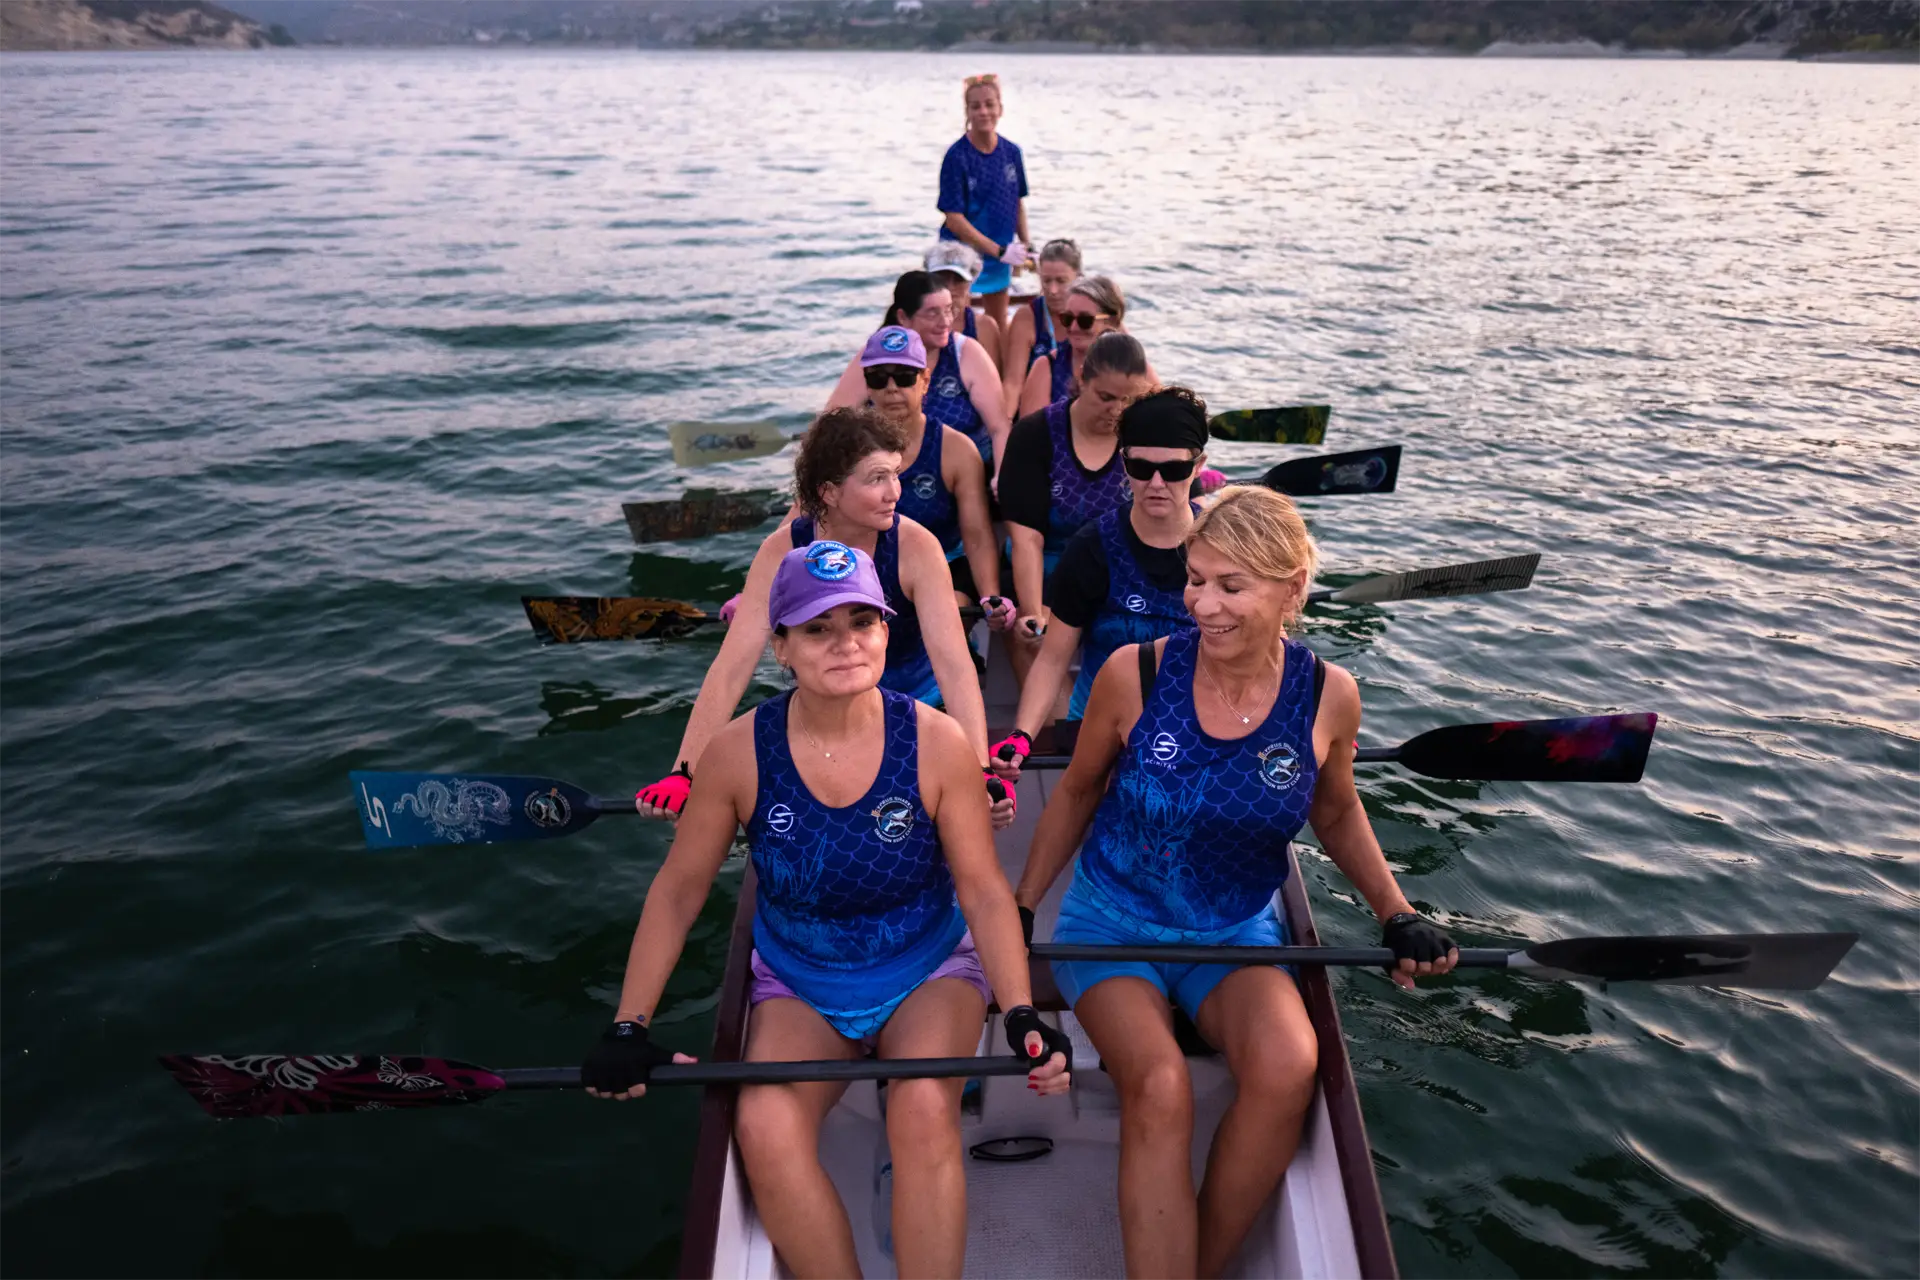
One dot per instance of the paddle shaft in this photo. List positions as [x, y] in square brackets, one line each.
[1365, 957]
[704, 1073]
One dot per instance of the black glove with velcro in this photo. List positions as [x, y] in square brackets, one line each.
[622, 1059]
[1024, 1020]
[1412, 936]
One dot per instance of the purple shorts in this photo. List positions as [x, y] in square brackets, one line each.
[864, 1024]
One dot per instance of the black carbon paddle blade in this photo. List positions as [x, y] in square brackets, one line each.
[1482, 577]
[1294, 424]
[575, 619]
[236, 1086]
[1362, 471]
[1580, 749]
[702, 513]
[1775, 961]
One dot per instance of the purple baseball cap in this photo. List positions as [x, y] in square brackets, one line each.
[813, 579]
[894, 345]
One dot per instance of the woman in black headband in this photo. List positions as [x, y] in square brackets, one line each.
[1122, 578]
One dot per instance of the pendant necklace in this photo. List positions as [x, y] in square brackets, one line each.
[1218, 693]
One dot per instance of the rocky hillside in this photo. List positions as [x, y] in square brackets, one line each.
[129, 24]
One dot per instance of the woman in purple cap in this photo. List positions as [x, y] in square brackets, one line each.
[847, 484]
[963, 388]
[943, 485]
[876, 875]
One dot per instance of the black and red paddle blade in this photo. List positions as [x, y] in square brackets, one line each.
[1580, 749]
[1776, 961]
[292, 1085]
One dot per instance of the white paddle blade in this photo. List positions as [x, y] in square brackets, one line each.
[1483, 576]
[702, 444]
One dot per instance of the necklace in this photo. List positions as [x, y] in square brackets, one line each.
[1222, 695]
[816, 742]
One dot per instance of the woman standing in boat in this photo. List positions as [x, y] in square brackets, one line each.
[1221, 741]
[1094, 306]
[1033, 330]
[1122, 578]
[963, 389]
[983, 195]
[1061, 473]
[943, 486]
[957, 266]
[876, 876]
[847, 483]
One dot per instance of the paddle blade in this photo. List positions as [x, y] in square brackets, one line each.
[573, 619]
[398, 810]
[1780, 961]
[263, 1084]
[702, 513]
[1581, 749]
[1297, 424]
[702, 444]
[1362, 471]
[1482, 577]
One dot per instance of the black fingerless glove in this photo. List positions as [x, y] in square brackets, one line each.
[622, 1059]
[1026, 926]
[1416, 938]
[1024, 1019]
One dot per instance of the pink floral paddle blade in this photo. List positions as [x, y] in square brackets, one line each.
[287, 1085]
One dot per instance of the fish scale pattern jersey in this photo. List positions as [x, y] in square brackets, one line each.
[1193, 831]
[854, 905]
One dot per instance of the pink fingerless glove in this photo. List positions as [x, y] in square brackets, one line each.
[1014, 748]
[1000, 611]
[670, 793]
[727, 609]
[998, 790]
[1211, 480]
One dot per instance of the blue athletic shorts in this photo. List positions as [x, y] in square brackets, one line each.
[994, 277]
[1087, 917]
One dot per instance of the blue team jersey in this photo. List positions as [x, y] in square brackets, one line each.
[1061, 388]
[947, 399]
[1043, 339]
[1076, 495]
[854, 907]
[1193, 830]
[924, 496]
[985, 188]
[909, 667]
[1135, 609]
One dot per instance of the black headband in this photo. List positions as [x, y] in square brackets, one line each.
[1162, 420]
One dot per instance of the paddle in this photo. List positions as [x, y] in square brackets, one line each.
[237, 1086]
[702, 444]
[1295, 424]
[701, 513]
[1482, 577]
[1362, 471]
[575, 619]
[398, 810]
[1581, 749]
[1779, 961]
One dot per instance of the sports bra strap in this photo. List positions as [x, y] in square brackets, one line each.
[1149, 669]
[1319, 683]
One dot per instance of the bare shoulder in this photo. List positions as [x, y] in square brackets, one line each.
[1340, 700]
[729, 757]
[918, 541]
[942, 735]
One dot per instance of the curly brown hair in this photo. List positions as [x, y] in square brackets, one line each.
[834, 445]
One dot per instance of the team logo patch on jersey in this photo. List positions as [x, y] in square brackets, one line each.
[925, 486]
[1012, 177]
[547, 809]
[780, 819]
[895, 341]
[1165, 748]
[950, 388]
[1279, 766]
[1136, 603]
[830, 561]
[893, 819]
[1057, 487]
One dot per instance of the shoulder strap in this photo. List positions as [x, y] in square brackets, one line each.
[1149, 671]
[1319, 683]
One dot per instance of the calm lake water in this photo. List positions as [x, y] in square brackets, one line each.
[314, 362]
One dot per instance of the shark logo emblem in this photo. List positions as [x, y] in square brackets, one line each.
[830, 561]
[925, 486]
[894, 341]
[547, 809]
[950, 388]
[1279, 766]
[893, 819]
[780, 819]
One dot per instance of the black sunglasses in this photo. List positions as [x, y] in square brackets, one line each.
[1173, 472]
[1080, 318]
[900, 375]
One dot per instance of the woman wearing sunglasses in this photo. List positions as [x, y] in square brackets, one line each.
[1033, 331]
[963, 389]
[1062, 472]
[846, 479]
[1094, 306]
[957, 266]
[943, 485]
[983, 195]
[1121, 578]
